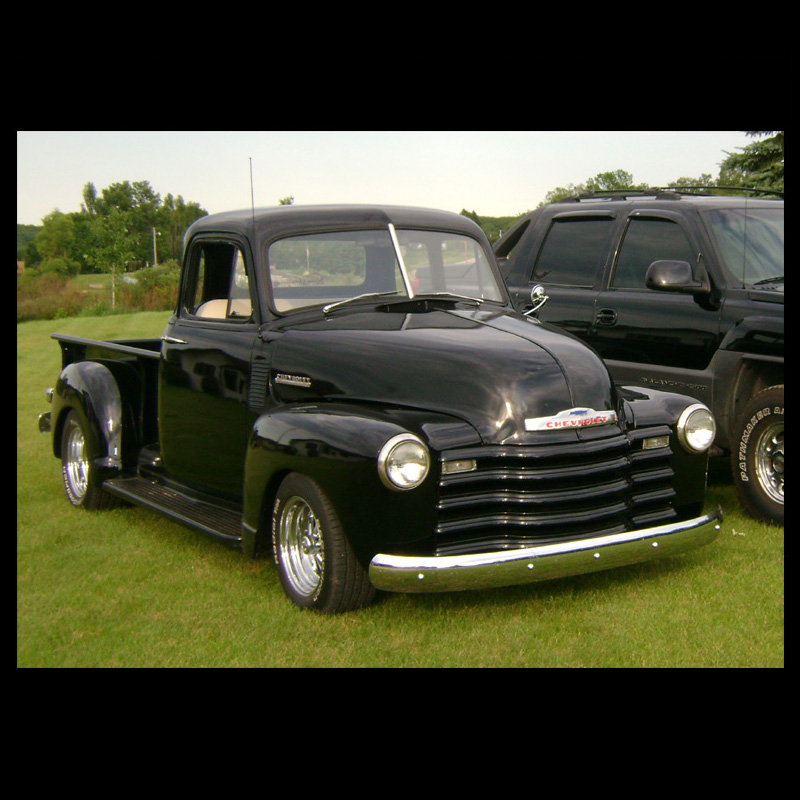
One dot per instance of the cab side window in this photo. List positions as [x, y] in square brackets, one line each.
[219, 287]
[646, 241]
[573, 251]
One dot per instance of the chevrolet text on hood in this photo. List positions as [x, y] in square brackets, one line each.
[348, 389]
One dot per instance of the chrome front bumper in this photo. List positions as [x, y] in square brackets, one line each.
[511, 567]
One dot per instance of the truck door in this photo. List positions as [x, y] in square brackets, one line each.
[205, 368]
[660, 338]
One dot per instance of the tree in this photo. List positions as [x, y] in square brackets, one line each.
[56, 235]
[113, 247]
[173, 218]
[493, 227]
[602, 182]
[154, 229]
[612, 181]
[758, 165]
[54, 244]
[89, 205]
[705, 181]
[139, 204]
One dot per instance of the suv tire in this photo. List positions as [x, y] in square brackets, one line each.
[757, 458]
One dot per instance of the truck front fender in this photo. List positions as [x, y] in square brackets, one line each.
[337, 446]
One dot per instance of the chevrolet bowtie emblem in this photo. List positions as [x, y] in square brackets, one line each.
[571, 418]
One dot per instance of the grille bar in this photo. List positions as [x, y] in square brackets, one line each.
[518, 496]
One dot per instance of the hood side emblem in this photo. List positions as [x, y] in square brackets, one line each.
[571, 418]
[293, 380]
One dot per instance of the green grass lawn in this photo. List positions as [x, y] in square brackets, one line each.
[127, 588]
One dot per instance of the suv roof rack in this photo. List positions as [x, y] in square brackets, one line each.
[665, 193]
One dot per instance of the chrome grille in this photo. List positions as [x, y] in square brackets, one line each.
[519, 496]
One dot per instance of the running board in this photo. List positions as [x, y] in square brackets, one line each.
[222, 523]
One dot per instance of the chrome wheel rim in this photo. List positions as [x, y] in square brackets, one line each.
[76, 465]
[300, 543]
[769, 461]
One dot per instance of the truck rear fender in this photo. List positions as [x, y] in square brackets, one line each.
[91, 390]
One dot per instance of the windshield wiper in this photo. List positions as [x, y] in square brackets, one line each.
[328, 308]
[449, 296]
[778, 279]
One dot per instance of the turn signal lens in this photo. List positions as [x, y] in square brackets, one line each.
[462, 465]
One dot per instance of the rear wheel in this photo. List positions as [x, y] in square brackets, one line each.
[758, 456]
[78, 471]
[316, 564]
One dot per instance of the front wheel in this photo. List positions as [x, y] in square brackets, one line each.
[757, 459]
[77, 470]
[316, 565]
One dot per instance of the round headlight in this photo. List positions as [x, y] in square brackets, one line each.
[696, 428]
[403, 462]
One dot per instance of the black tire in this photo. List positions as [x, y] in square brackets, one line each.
[78, 472]
[316, 565]
[757, 459]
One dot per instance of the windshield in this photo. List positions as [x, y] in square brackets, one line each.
[328, 268]
[751, 244]
[447, 263]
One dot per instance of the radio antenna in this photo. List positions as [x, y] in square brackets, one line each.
[252, 195]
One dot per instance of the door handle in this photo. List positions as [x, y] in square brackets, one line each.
[173, 340]
[606, 317]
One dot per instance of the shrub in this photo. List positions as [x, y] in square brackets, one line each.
[46, 295]
[152, 289]
[60, 266]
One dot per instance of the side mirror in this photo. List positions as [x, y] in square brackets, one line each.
[674, 276]
[538, 298]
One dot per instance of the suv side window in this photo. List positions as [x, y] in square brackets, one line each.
[218, 286]
[573, 251]
[646, 241]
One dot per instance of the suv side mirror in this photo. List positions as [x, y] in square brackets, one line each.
[674, 276]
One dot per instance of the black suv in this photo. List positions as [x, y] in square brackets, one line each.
[678, 291]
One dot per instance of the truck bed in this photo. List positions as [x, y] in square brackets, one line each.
[76, 348]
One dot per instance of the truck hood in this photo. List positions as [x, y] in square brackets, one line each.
[493, 370]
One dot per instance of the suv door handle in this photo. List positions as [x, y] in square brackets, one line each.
[606, 317]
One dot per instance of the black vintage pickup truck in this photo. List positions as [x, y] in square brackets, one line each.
[349, 389]
[678, 290]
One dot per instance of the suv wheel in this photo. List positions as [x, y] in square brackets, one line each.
[757, 459]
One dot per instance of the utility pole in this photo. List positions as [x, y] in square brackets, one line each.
[155, 251]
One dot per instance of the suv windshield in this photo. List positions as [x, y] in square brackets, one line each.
[751, 244]
[328, 268]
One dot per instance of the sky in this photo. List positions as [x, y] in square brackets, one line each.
[494, 173]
